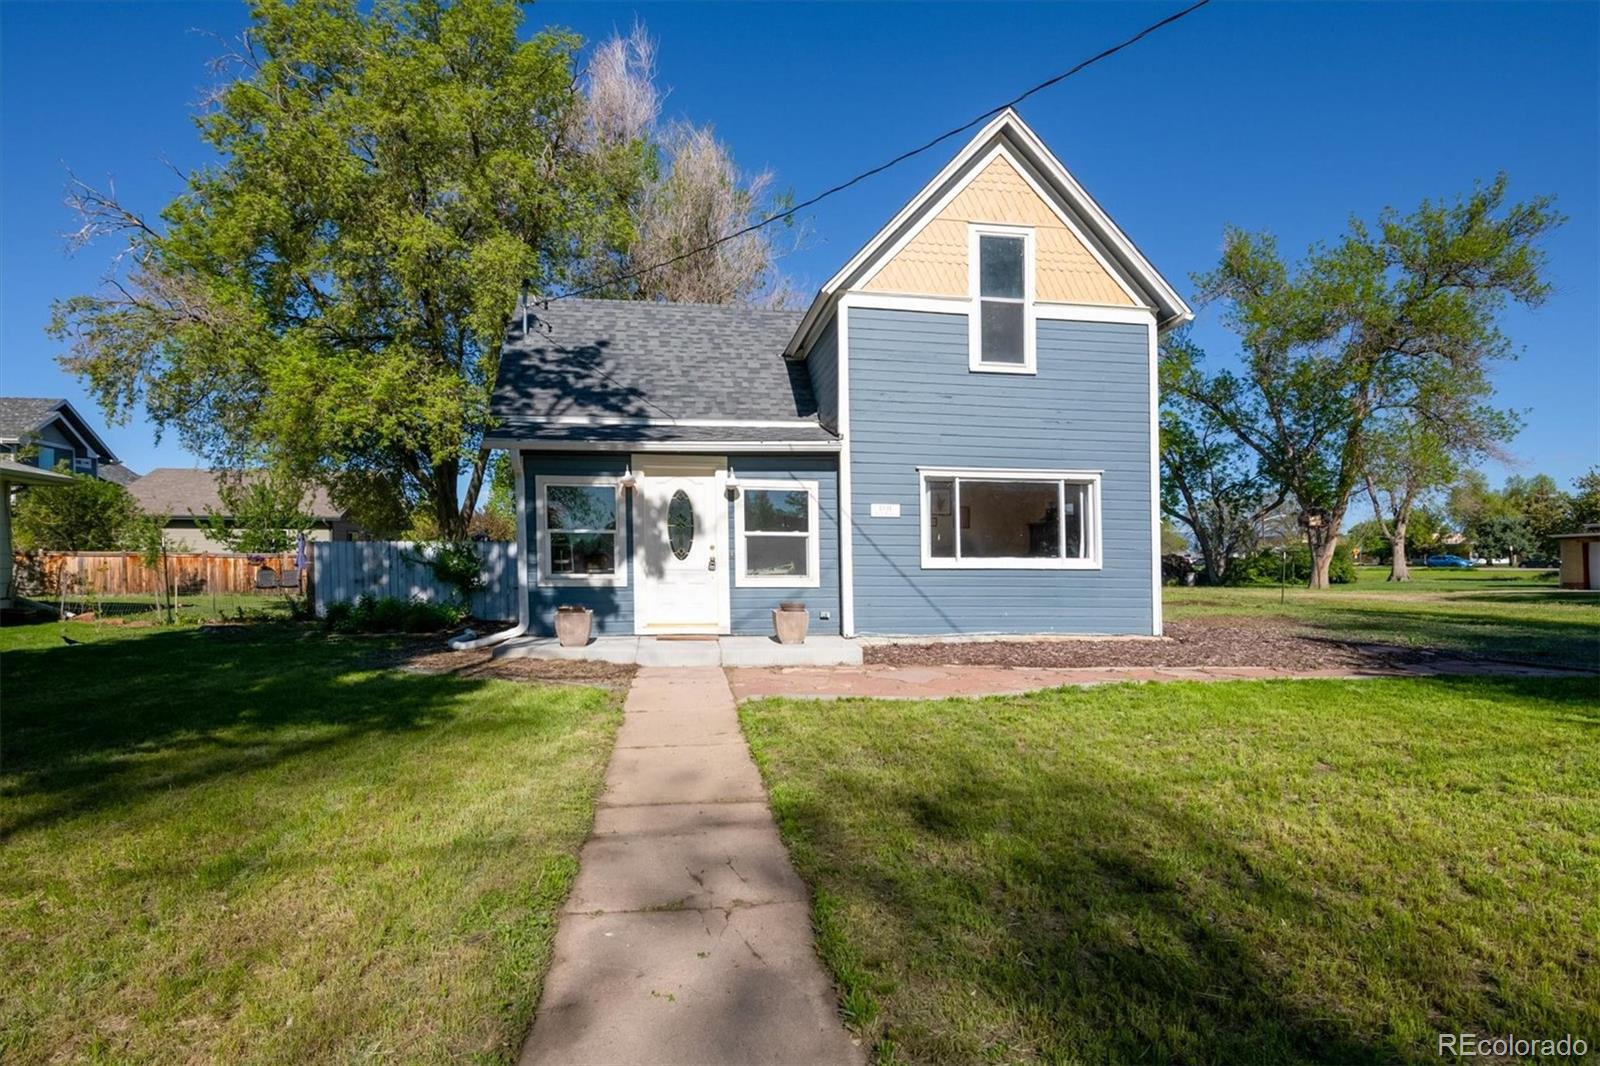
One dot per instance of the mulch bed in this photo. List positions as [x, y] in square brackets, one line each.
[1212, 641]
[431, 656]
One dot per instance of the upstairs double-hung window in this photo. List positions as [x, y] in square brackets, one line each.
[1001, 277]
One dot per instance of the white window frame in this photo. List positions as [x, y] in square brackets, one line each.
[619, 575]
[975, 362]
[813, 579]
[1091, 527]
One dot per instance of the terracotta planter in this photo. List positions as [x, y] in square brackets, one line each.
[790, 621]
[573, 625]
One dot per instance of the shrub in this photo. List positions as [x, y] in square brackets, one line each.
[1266, 566]
[385, 614]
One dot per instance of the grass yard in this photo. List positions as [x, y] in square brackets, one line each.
[1239, 872]
[1520, 615]
[251, 845]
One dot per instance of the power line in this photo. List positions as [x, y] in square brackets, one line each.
[901, 158]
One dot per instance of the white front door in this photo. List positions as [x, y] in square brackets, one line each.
[1593, 548]
[680, 544]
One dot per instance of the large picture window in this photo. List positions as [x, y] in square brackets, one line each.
[775, 523]
[1010, 519]
[1001, 279]
[579, 531]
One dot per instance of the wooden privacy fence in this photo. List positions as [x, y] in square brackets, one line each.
[124, 574]
[346, 570]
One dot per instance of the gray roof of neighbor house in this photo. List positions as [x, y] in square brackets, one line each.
[636, 361]
[116, 472]
[22, 415]
[180, 493]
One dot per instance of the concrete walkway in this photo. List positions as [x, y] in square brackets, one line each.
[940, 682]
[687, 938]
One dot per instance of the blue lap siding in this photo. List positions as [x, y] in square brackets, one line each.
[914, 402]
[822, 364]
[751, 608]
[612, 605]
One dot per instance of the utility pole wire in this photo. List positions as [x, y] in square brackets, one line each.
[897, 160]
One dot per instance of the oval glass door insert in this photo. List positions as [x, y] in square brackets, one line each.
[680, 524]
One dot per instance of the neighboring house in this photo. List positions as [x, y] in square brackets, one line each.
[187, 498]
[51, 435]
[958, 436]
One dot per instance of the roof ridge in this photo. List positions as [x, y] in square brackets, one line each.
[748, 308]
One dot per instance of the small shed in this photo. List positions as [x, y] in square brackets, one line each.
[1580, 558]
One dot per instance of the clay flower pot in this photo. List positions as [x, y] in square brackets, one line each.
[573, 625]
[790, 621]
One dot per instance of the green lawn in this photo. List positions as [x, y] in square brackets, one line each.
[1240, 872]
[252, 846]
[1518, 615]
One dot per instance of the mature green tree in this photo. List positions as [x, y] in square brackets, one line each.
[1502, 536]
[1544, 508]
[1409, 462]
[331, 295]
[1585, 501]
[262, 511]
[88, 515]
[1208, 483]
[1396, 319]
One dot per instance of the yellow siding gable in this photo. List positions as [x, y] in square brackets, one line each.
[934, 262]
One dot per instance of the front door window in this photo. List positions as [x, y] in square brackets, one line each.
[680, 524]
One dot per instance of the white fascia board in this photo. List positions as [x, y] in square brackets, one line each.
[708, 446]
[620, 420]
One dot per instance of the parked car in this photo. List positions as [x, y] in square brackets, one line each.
[1455, 561]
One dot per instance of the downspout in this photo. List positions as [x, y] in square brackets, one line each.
[474, 644]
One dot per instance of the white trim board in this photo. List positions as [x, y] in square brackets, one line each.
[1043, 310]
[687, 446]
[698, 423]
[847, 532]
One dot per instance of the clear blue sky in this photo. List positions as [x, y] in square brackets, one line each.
[1286, 117]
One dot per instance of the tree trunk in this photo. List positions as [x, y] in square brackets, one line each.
[1398, 571]
[1211, 556]
[1321, 541]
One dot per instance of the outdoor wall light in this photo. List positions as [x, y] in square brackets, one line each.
[628, 480]
[731, 487]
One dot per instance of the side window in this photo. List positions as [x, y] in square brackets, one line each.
[578, 531]
[1027, 520]
[1001, 333]
[775, 524]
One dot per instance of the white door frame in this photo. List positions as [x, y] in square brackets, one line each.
[715, 469]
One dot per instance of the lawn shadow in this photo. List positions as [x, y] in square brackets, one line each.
[1474, 632]
[94, 724]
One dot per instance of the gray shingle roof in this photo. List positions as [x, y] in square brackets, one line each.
[642, 360]
[24, 414]
[180, 493]
[20, 416]
[116, 472]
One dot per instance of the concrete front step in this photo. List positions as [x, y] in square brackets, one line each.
[820, 650]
